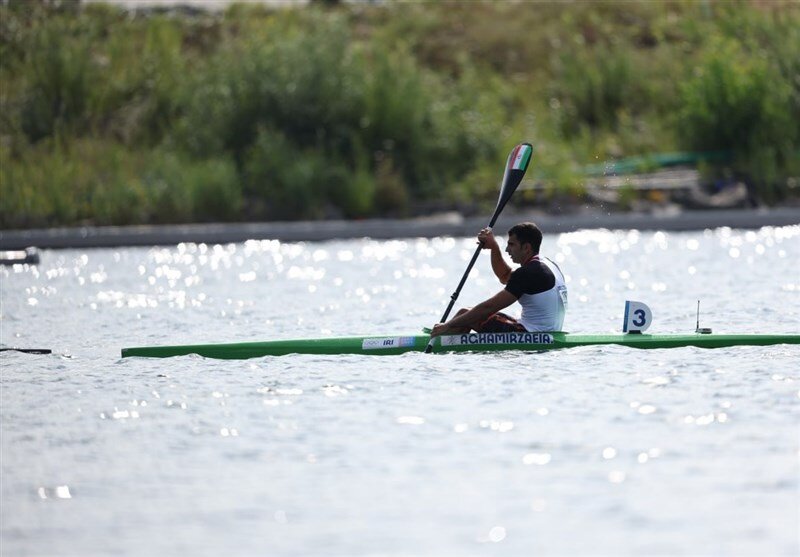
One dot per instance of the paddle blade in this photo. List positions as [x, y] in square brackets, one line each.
[516, 165]
[28, 350]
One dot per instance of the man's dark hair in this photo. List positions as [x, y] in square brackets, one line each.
[527, 233]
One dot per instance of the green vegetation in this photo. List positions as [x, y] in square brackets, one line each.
[109, 117]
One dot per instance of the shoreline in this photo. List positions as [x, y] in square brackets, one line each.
[449, 224]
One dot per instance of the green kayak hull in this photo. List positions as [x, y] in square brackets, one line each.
[472, 342]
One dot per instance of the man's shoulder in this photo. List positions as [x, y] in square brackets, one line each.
[531, 278]
[534, 268]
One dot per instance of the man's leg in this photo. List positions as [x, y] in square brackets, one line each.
[466, 328]
[500, 323]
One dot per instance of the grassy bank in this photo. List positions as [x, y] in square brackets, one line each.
[354, 111]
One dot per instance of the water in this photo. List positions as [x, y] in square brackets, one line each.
[597, 450]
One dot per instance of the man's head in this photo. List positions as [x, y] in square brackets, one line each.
[524, 241]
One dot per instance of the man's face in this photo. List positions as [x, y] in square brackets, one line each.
[519, 253]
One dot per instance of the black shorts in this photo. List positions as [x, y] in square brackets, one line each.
[501, 323]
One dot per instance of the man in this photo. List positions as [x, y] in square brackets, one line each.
[538, 285]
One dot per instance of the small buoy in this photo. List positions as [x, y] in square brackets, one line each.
[19, 257]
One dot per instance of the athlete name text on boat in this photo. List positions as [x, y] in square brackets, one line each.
[497, 338]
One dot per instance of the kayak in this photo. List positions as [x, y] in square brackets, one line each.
[469, 342]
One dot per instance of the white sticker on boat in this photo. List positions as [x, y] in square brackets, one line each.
[386, 342]
[497, 338]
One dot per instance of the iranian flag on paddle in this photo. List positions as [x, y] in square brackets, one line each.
[517, 163]
[520, 156]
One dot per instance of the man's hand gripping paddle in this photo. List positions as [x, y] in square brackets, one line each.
[516, 165]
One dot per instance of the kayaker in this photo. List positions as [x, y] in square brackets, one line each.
[537, 284]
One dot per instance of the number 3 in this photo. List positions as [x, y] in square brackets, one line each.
[640, 319]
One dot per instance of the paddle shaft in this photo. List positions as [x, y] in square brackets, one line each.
[454, 295]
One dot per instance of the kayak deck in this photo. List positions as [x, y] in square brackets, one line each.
[471, 342]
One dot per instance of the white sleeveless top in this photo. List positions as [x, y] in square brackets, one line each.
[545, 311]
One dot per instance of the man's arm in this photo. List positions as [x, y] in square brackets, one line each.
[476, 315]
[499, 265]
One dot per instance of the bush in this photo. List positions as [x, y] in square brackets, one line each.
[102, 183]
[59, 184]
[184, 190]
[60, 82]
[308, 86]
[593, 86]
[737, 101]
[317, 112]
[283, 182]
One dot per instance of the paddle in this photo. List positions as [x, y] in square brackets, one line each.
[516, 165]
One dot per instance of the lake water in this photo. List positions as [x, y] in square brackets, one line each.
[590, 451]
